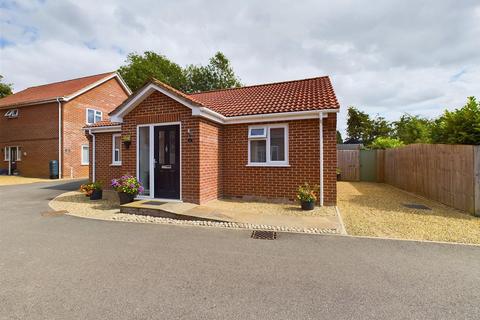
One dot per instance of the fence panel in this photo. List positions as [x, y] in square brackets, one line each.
[444, 173]
[349, 164]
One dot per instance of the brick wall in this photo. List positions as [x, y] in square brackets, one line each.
[105, 172]
[36, 132]
[105, 98]
[214, 162]
[281, 182]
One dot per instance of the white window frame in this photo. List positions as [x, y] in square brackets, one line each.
[82, 160]
[12, 113]
[269, 162]
[19, 153]
[7, 151]
[95, 114]
[114, 162]
[6, 154]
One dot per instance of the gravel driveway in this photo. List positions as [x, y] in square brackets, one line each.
[378, 209]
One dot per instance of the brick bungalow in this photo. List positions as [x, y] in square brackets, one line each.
[259, 141]
[40, 123]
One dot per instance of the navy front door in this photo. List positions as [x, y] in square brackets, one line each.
[167, 162]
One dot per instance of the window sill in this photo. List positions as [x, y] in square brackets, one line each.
[267, 165]
[85, 164]
[118, 164]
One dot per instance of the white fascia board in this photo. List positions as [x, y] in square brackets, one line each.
[283, 116]
[104, 129]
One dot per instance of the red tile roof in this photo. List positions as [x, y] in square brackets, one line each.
[50, 91]
[103, 123]
[289, 96]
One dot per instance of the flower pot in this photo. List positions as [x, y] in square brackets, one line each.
[339, 176]
[308, 205]
[96, 195]
[125, 197]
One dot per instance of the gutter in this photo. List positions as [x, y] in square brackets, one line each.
[60, 140]
[93, 154]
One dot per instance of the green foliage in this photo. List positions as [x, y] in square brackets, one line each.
[413, 129]
[358, 125]
[362, 129]
[385, 143]
[5, 88]
[461, 126]
[339, 138]
[218, 74]
[139, 69]
[307, 193]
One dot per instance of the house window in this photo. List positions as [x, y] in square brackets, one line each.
[85, 155]
[117, 149]
[93, 116]
[6, 153]
[17, 153]
[268, 145]
[13, 113]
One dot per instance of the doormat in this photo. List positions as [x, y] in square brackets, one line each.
[416, 206]
[153, 203]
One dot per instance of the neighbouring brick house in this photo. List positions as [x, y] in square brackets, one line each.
[258, 141]
[33, 120]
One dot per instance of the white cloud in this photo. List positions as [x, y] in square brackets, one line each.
[385, 57]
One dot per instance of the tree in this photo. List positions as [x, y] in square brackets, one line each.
[141, 68]
[379, 127]
[5, 88]
[362, 129]
[218, 74]
[358, 125]
[413, 129]
[461, 126]
[339, 138]
[385, 143]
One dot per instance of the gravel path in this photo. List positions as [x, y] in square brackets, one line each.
[377, 209]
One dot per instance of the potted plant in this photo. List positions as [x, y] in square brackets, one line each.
[126, 140]
[307, 195]
[339, 173]
[127, 187]
[92, 190]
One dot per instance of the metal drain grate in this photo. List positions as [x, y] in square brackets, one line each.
[53, 213]
[416, 206]
[264, 235]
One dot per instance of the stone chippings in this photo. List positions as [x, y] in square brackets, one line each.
[228, 225]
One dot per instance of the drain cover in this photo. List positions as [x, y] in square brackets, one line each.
[416, 206]
[153, 203]
[264, 235]
[53, 213]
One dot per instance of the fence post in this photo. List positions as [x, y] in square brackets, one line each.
[476, 180]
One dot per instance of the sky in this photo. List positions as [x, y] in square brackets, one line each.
[384, 57]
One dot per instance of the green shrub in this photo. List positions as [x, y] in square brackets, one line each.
[385, 143]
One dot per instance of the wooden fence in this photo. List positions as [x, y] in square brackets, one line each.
[348, 161]
[449, 174]
[445, 173]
